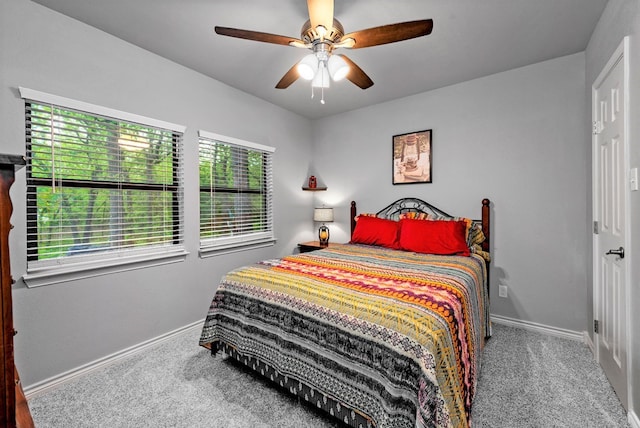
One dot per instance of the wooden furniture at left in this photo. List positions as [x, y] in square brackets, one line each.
[14, 411]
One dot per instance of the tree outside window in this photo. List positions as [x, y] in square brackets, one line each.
[98, 185]
[235, 193]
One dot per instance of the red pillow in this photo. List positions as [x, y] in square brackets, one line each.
[376, 231]
[434, 237]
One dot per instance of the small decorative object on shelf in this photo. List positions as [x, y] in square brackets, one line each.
[312, 185]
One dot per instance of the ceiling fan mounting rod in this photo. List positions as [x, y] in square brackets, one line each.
[322, 49]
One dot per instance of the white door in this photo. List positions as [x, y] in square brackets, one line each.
[610, 192]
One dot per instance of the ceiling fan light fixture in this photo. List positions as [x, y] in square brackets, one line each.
[308, 66]
[321, 80]
[338, 67]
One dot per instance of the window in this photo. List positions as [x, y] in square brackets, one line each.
[236, 191]
[99, 188]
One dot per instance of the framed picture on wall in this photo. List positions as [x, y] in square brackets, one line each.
[412, 157]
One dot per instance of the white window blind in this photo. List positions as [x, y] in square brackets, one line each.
[99, 188]
[236, 192]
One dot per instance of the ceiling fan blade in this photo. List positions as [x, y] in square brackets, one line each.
[321, 13]
[257, 36]
[356, 75]
[389, 33]
[288, 78]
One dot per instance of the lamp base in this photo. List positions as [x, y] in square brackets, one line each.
[323, 235]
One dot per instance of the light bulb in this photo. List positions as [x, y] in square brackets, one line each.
[321, 30]
[338, 67]
[308, 66]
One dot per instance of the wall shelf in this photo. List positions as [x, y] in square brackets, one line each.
[315, 189]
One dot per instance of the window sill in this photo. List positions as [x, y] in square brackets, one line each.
[212, 251]
[64, 273]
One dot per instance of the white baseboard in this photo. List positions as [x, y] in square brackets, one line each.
[587, 339]
[54, 381]
[540, 328]
[633, 419]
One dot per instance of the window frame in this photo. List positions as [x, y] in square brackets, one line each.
[66, 268]
[230, 244]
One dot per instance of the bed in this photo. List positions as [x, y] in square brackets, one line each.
[377, 332]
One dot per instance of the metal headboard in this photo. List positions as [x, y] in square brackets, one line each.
[404, 205]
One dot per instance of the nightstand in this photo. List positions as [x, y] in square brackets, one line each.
[306, 247]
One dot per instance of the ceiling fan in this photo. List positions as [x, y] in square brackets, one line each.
[322, 34]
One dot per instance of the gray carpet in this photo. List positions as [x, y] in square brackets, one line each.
[527, 380]
[534, 380]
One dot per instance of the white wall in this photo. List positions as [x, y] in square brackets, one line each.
[518, 138]
[66, 325]
[622, 18]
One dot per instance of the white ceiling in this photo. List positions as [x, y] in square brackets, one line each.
[470, 39]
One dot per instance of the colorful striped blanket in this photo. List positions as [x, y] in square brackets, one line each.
[391, 338]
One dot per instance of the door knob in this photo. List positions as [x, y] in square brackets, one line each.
[619, 252]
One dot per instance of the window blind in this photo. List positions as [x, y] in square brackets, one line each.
[100, 187]
[236, 192]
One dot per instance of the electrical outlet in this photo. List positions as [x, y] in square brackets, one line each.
[502, 291]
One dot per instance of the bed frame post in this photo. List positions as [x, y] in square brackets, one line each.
[486, 227]
[354, 212]
[486, 223]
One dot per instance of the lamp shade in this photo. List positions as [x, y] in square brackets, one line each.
[321, 80]
[338, 67]
[324, 215]
[308, 66]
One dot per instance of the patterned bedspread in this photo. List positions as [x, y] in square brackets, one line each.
[393, 336]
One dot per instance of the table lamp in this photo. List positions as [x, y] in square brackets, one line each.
[323, 215]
